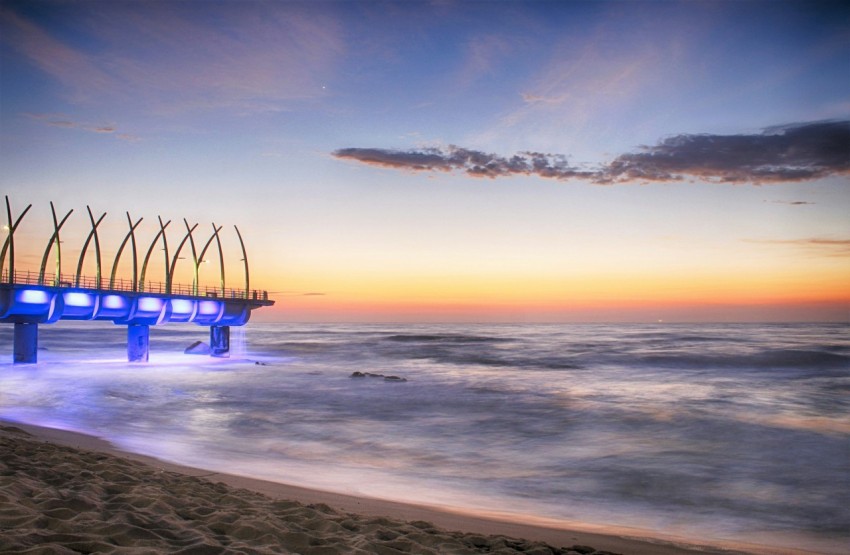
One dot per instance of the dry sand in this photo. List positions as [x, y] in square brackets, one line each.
[62, 492]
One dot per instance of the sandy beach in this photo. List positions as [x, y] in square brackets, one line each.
[62, 492]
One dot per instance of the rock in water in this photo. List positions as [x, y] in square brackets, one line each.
[198, 348]
[373, 375]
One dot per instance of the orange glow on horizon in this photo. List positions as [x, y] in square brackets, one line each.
[641, 281]
[777, 296]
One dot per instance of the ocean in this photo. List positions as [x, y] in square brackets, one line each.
[714, 432]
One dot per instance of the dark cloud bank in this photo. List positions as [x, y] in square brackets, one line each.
[798, 152]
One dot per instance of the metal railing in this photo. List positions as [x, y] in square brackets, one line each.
[124, 285]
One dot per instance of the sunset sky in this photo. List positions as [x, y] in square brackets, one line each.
[449, 160]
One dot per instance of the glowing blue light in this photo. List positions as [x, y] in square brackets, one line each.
[209, 307]
[78, 299]
[114, 301]
[150, 304]
[32, 296]
[182, 306]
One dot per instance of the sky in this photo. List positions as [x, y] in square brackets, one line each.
[448, 161]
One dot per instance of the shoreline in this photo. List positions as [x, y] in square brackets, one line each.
[610, 539]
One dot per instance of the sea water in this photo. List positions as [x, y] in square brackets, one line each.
[711, 432]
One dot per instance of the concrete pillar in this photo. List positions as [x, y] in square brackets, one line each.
[220, 341]
[26, 343]
[138, 342]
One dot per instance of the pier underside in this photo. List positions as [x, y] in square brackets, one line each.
[27, 306]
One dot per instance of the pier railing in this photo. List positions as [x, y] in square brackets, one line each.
[124, 285]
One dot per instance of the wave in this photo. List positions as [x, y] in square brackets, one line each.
[462, 357]
[627, 423]
[445, 338]
[799, 357]
[769, 359]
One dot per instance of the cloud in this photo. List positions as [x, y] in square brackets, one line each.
[799, 152]
[72, 68]
[793, 202]
[483, 56]
[790, 153]
[819, 245]
[169, 57]
[473, 162]
[531, 98]
[61, 121]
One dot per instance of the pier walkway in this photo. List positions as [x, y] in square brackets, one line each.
[29, 298]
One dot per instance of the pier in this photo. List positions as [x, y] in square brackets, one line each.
[30, 298]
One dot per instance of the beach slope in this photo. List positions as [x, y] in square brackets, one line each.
[62, 492]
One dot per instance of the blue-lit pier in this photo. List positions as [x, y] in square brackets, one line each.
[30, 298]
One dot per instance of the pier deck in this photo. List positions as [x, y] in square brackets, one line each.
[28, 298]
[27, 303]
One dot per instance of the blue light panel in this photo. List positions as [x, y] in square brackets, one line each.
[182, 306]
[75, 298]
[32, 296]
[209, 307]
[150, 304]
[114, 301]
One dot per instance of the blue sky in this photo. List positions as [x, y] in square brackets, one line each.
[298, 122]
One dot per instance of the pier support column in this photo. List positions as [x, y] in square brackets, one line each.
[138, 342]
[220, 341]
[26, 343]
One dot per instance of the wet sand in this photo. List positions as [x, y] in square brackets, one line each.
[62, 492]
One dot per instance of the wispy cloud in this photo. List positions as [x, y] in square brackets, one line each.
[483, 55]
[790, 153]
[589, 80]
[169, 57]
[792, 202]
[74, 69]
[819, 245]
[65, 122]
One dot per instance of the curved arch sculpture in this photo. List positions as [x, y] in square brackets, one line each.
[188, 236]
[92, 233]
[139, 279]
[9, 243]
[161, 232]
[131, 236]
[245, 260]
[54, 239]
[201, 260]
